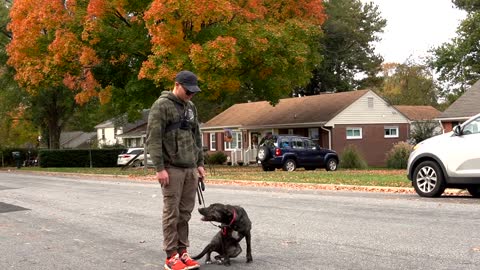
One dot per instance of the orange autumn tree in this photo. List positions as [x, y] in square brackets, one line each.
[266, 47]
[48, 57]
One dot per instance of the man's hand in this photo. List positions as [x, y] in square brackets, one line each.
[201, 172]
[163, 178]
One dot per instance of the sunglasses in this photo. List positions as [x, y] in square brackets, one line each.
[189, 93]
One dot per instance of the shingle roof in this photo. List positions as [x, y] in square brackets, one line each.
[465, 106]
[417, 113]
[309, 109]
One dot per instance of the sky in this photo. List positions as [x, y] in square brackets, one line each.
[415, 26]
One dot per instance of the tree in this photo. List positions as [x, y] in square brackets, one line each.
[409, 83]
[457, 61]
[347, 48]
[15, 126]
[266, 47]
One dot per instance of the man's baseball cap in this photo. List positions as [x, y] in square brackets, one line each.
[188, 80]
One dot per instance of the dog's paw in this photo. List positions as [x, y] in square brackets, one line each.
[208, 262]
[249, 259]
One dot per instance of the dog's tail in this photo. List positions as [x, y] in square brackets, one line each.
[204, 251]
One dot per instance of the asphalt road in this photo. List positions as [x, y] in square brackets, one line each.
[86, 223]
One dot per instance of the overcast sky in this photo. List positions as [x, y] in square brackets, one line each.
[415, 26]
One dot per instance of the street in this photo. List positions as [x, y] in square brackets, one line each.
[68, 222]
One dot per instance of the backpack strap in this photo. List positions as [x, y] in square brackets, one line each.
[181, 112]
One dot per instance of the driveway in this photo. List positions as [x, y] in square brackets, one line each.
[53, 222]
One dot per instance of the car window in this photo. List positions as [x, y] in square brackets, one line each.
[309, 144]
[297, 143]
[472, 127]
[136, 151]
[284, 143]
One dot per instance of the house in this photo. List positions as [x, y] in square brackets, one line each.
[360, 118]
[463, 108]
[115, 131]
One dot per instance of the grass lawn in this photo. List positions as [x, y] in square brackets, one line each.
[371, 177]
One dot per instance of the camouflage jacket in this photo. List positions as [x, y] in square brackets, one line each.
[180, 146]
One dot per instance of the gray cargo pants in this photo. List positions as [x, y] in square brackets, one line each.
[178, 203]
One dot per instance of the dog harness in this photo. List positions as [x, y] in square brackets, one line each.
[224, 228]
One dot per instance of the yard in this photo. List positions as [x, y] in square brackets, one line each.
[242, 174]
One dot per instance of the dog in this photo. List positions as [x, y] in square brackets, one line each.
[234, 226]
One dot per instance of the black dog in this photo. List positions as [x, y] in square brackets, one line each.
[235, 225]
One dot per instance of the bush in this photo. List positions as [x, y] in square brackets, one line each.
[216, 158]
[423, 130]
[397, 157]
[78, 157]
[352, 159]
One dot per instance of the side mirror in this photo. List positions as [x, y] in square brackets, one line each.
[457, 130]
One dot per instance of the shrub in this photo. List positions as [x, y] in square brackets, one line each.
[216, 158]
[352, 159]
[397, 157]
[78, 157]
[422, 130]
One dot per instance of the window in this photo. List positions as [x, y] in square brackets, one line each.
[472, 127]
[103, 134]
[290, 131]
[297, 143]
[390, 132]
[370, 102]
[313, 133]
[354, 133]
[236, 142]
[213, 141]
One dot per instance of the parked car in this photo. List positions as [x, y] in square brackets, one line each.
[290, 152]
[450, 160]
[129, 154]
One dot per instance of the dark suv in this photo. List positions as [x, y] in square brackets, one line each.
[290, 152]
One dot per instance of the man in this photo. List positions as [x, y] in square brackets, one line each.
[175, 147]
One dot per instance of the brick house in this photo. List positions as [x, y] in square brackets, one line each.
[360, 118]
[462, 109]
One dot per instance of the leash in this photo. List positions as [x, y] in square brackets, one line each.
[200, 189]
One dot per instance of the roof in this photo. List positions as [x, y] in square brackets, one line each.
[465, 106]
[121, 121]
[137, 132]
[298, 110]
[418, 113]
[76, 139]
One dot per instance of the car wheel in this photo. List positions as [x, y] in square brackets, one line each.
[290, 165]
[137, 163]
[331, 164]
[428, 179]
[474, 191]
[263, 153]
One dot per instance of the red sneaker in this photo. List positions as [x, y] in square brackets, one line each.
[174, 263]
[189, 262]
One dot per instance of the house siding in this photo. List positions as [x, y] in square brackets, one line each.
[359, 112]
[373, 146]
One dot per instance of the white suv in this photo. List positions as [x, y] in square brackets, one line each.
[450, 160]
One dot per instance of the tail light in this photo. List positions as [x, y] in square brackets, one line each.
[126, 156]
[278, 152]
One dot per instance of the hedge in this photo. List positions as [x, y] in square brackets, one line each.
[79, 157]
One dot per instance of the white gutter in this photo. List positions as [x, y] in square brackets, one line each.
[276, 126]
[329, 137]
[220, 127]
